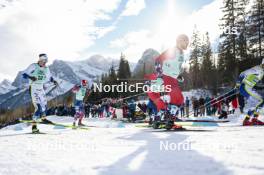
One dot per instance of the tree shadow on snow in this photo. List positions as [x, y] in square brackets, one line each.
[151, 160]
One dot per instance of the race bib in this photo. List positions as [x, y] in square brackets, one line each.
[41, 75]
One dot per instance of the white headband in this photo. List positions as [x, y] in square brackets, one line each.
[43, 58]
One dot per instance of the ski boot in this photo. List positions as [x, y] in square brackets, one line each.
[74, 125]
[178, 127]
[81, 124]
[169, 125]
[171, 117]
[35, 130]
[169, 121]
[44, 120]
[156, 122]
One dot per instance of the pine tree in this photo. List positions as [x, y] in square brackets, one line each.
[256, 28]
[227, 52]
[124, 69]
[233, 45]
[112, 75]
[124, 73]
[112, 78]
[187, 84]
[194, 59]
[207, 64]
[241, 39]
[127, 68]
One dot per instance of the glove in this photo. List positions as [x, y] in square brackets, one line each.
[180, 78]
[238, 84]
[32, 78]
[55, 83]
[26, 76]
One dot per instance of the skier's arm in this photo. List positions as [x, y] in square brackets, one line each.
[27, 73]
[246, 73]
[249, 77]
[180, 78]
[53, 81]
[75, 88]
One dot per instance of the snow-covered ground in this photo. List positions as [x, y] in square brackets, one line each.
[114, 148]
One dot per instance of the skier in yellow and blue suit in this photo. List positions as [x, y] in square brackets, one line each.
[247, 84]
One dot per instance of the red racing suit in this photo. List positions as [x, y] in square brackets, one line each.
[169, 65]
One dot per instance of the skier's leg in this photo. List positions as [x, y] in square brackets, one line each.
[35, 117]
[245, 93]
[36, 103]
[258, 98]
[81, 114]
[77, 112]
[43, 105]
[76, 117]
[175, 94]
[155, 97]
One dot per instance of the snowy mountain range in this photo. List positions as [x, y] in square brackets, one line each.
[147, 61]
[6, 86]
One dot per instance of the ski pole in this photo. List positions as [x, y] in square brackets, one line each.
[133, 96]
[219, 97]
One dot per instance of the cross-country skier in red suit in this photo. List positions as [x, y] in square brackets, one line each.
[168, 68]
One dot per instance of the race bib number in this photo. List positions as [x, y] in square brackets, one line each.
[41, 75]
